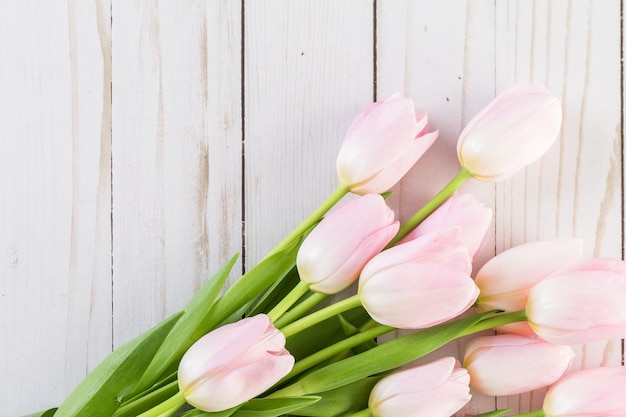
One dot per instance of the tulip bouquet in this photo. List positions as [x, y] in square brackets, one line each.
[266, 347]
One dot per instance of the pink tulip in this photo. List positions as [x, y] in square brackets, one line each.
[233, 364]
[595, 392]
[382, 144]
[436, 389]
[462, 211]
[581, 304]
[506, 279]
[333, 254]
[515, 129]
[510, 364]
[419, 283]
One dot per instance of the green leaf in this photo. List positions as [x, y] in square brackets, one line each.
[200, 413]
[188, 329]
[495, 413]
[254, 282]
[350, 330]
[275, 293]
[342, 401]
[101, 392]
[324, 334]
[47, 413]
[273, 407]
[390, 355]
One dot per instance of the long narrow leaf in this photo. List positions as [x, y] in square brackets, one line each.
[274, 407]
[101, 392]
[495, 413]
[342, 401]
[205, 316]
[47, 413]
[189, 329]
[254, 282]
[387, 356]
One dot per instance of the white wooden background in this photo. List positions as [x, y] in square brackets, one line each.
[143, 143]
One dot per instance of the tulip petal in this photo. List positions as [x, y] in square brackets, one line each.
[233, 364]
[505, 280]
[433, 245]
[235, 386]
[515, 129]
[491, 360]
[417, 295]
[333, 254]
[350, 270]
[363, 152]
[435, 389]
[462, 211]
[387, 177]
[226, 343]
[589, 392]
[578, 307]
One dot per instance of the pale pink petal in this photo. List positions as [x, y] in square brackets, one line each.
[491, 360]
[515, 129]
[595, 392]
[350, 270]
[387, 176]
[579, 307]
[417, 295]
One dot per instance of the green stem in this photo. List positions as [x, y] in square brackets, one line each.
[379, 330]
[363, 413]
[167, 407]
[146, 402]
[538, 413]
[321, 315]
[290, 299]
[462, 176]
[319, 212]
[336, 349]
[499, 320]
[300, 310]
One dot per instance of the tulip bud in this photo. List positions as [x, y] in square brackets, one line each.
[419, 283]
[516, 128]
[461, 211]
[510, 364]
[233, 364]
[506, 279]
[595, 392]
[333, 254]
[436, 389]
[582, 304]
[382, 144]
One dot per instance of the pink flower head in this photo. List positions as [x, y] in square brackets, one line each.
[233, 364]
[461, 211]
[516, 128]
[506, 279]
[419, 283]
[581, 304]
[436, 389]
[510, 364]
[333, 254]
[595, 392]
[382, 144]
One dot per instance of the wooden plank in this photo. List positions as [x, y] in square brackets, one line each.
[575, 190]
[176, 154]
[441, 54]
[55, 213]
[308, 71]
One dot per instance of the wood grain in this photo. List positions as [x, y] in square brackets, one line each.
[145, 143]
[55, 212]
[176, 154]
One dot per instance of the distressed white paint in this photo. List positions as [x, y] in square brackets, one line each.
[136, 136]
